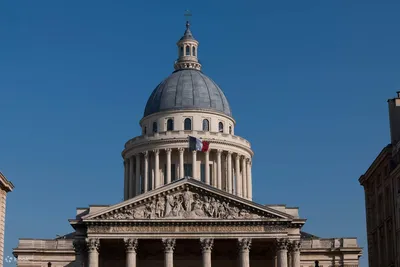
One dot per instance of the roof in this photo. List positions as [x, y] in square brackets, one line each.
[187, 89]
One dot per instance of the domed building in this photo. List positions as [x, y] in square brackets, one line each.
[188, 195]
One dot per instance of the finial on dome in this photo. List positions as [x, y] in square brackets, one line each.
[187, 55]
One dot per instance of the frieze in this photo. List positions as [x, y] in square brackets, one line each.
[98, 229]
[184, 204]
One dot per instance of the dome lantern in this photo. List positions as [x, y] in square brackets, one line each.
[187, 51]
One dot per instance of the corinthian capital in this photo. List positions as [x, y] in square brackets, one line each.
[169, 244]
[296, 245]
[93, 244]
[131, 244]
[181, 150]
[244, 244]
[282, 244]
[206, 244]
[79, 245]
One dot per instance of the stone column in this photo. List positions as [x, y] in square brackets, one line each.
[138, 184]
[131, 178]
[156, 168]
[244, 177]
[146, 171]
[79, 248]
[296, 246]
[238, 179]
[229, 178]
[93, 245]
[219, 169]
[169, 246]
[206, 247]
[181, 166]
[249, 181]
[168, 174]
[130, 247]
[244, 252]
[194, 165]
[281, 252]
[207, 167]
[126, 179]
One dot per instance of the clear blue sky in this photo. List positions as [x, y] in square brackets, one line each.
[307, 82]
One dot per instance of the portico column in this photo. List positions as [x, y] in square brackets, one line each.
[244, 177]
[168, 151]
[130, 247]
[238, 179]
[206, 247]
[229, 182]
[138, 184]
[219, 169]
[131, 178]
[169, 246]
[281, 252]
[181, 166]
[207, 167]
[249, 182]
[146, 171]
[296, 245]
[156, 168]
[194, 165]
[93, 245]
[79, 247]
[244, 252]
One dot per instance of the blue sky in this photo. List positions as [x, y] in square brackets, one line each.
[307, 82]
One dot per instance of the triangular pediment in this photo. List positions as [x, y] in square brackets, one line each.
[187, 199]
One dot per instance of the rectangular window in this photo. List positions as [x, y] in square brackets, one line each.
[188, 169]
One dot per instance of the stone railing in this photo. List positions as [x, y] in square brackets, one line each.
[329, 243]
[45, 244]
[184, 134]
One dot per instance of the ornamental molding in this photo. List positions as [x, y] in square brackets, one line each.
[189, 229]
[187, 202]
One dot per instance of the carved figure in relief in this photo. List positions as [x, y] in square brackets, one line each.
[184, 204]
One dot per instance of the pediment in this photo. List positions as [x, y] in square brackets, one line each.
[187, 199]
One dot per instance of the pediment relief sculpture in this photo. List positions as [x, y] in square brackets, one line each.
[185, 204]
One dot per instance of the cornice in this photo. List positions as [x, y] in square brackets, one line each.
[5, 184]
[386, 151]
[142, 146]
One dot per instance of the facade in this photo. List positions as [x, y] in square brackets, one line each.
[381, 184]
[188, 207]
[5, 187]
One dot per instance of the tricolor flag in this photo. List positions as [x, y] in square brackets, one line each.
[197, 144]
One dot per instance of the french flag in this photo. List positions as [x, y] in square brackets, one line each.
[197, 144]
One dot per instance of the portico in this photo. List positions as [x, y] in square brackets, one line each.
[205, 252]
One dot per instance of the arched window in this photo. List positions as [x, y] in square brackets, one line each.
[188, 124]
[170, 125]
[155, 127]
[181, 51]
[145, 130]
[193, 51]
[206, 125]
[187, 50]
[230, 129]
[220, 127]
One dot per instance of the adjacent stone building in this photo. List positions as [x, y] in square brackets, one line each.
[5, 187]
[381, 184]
[188, 204]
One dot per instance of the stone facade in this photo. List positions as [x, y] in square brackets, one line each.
[187, 205]
[5, 187]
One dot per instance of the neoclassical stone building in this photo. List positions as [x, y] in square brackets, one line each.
[5, 187]
[188, 207]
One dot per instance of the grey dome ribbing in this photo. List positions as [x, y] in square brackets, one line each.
[187, 89]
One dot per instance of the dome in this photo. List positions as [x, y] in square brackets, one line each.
[187, 89]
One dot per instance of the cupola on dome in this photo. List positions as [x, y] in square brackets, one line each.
[187, 88]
